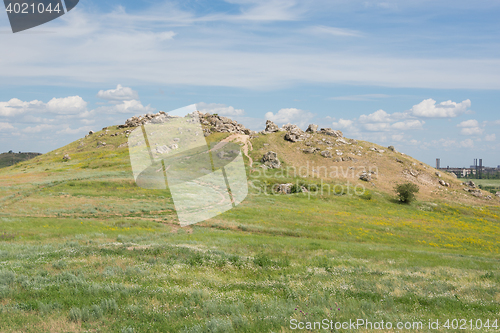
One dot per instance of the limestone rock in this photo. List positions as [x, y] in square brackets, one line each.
[271, 127]
[391, 148]
[270, 160]
[311, 150]
[66, 157]
[498, 194]
[438, 174]
[365, 177]
[329, 131]
[443, 183]
[283, 188]
[312, 128]
[326, 154]
[293, 133]
[91, 132]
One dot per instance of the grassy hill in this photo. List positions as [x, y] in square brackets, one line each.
[8, 159]
[82, 248]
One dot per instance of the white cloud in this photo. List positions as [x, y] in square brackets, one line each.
[66, 105]
[469, 143]
[379, 116]
[290, 115]
[366, 97]
[5, 126]
[448, 109]
[132, 106]
[221, 109]
[69, 130]
[398, 137]
[491, 137]
[343, 123]
[119, 94]
[408, 125]
[38, 128]
[16, 106]
[338, 32]
[470, 127]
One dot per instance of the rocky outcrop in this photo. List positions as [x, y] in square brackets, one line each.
[443, 183]
[220, 124]
[137, 121]
[270, 160]
[329, 131]
[293, 133]
[498, 194]
[438, 174]
[66, 157]
[312, 128]
[391, 148]
[271, 127]
[470, 184]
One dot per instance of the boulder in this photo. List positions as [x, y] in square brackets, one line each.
[365, 177]
[326, 154]
[391, 148]
[293, 133]
[438, 174]
[91, 132]
[443, 183]
[343, 142]
[66, 157]
[270, 160]
[311, 150]
[271, 127]
[498, 194]
[283, 188]
[312, 128]
[399, 161]
[329, 131]
[470, 183]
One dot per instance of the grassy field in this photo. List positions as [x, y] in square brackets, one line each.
[83, 249]
[8, 159]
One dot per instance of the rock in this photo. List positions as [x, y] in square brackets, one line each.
[470, 183]
[329, 131]
[438, 174]
[311, 150]
[498, 194]
[476, 193]
[101, 144]
[326, 154]
[123, 145]
[293, 133]
[443, 183]
[271, 127]
[488, 197]
[283, 188]
[91, 132]
[66, 157]
[399, 161]
[338, 159]
[365, 177]
[452, 174]
[391, 148]
[312, 128]
[342, 141]
[270, 160]
[104, 128]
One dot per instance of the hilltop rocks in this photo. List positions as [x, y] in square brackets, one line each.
[329, 131]
[137, 121]
[222, 124]
[391, 148]
[470, 183]
[312, 128]
[270, 160]
[293, 133]
[91, 132]
[66, 157]
[438, 174]
[271, 127]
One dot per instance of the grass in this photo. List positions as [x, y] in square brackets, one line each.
[90, 251]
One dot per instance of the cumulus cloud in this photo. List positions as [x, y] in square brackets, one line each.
[408, 125]
[119, 94]
[491, 137]
[5, 126]
[69, 130]
[132, 106]
[469, 143]
[448, 109]
[470, 127]
[38, 128]
[290, 115]
[221, 109]
[16, 106]
[67, 105]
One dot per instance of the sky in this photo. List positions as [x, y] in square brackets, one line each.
[423, 76]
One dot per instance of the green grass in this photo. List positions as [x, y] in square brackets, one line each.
[8, 159]
[85, 249]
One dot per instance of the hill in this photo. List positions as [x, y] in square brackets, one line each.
[11, 158]
[84, 249]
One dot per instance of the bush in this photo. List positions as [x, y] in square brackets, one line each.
[406, 192]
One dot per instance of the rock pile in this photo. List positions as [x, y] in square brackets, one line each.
[294, 133]
[137, 121]
[498, 194]
[66, 157]
[270, 160]
[443, 183]
[312, 128]
[220, 124]
[365, 176]
[271, 127]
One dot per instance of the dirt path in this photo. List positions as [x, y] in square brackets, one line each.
[245, 139]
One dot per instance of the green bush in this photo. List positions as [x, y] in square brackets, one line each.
[406, 192]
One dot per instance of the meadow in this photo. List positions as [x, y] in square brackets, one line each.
[83, 249]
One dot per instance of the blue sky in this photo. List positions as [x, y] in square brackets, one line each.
[423, 76]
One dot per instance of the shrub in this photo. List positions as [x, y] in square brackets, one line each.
[406, 192]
